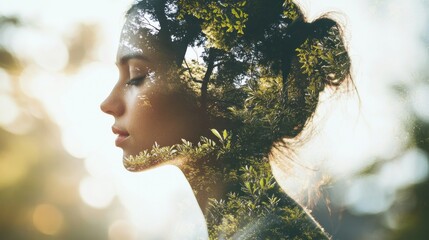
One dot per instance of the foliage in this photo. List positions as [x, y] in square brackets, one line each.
[157, 154]
[324, 57]
[291, 10]
[258, 199]
[221, 19]
[263, 68]
[262, 71]
[259, 210]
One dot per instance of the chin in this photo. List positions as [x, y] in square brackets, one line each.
[133, 163]
[128, 153]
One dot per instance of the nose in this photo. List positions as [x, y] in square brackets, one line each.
[113, 104]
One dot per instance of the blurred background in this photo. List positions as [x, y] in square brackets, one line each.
[62, 178]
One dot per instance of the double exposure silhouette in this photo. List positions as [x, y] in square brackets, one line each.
[255, 85]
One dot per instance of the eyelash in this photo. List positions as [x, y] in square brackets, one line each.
[137, 81]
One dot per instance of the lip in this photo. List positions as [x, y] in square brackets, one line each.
[122, 135]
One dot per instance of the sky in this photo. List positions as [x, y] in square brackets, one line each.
[353, 130]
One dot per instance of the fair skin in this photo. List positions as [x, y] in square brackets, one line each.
[160, 99]
[138, 123]
[146, 109]
[146, 105]
[126, 104]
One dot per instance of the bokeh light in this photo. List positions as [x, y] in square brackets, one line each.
[57, 154]
[165, 201]
[48, 219]
[95, 192]
[420, 100]
[8, 105]
[121, 230]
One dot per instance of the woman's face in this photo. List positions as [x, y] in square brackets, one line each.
[145, 109]
[128, 105]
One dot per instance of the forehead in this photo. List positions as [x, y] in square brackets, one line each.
[138, 37]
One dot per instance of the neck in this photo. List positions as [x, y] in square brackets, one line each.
[207, 182]
[214, 182]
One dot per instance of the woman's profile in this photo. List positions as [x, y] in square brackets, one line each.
[256, 83]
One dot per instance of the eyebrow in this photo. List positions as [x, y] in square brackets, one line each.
[124, 59]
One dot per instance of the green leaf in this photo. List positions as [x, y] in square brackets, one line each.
[262, 183]
[235, 13]
[216, 133]
[225, 134]
[247, 184]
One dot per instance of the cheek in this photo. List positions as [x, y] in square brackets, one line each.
[161, 119]
[139, 108]
[142, 113]
[143, 101]
[139, 122]
[137, 101]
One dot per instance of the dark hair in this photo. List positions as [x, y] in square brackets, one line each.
[264, 72]
[264, 68]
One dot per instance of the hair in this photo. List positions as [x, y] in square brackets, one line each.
[263, 72]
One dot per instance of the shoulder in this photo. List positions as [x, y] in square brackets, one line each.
[287, 221]
[261, 210]
[275, 226]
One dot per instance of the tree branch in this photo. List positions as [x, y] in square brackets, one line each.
[205, 83]
[190, 73]
[164, 31]
[150, 24]
[219, 64]
[193, 29]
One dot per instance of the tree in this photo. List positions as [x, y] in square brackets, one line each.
[242, 41]
[263, 68]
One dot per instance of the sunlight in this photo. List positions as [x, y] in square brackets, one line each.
[45, 48]
[16, 163]
[96, 192]
[375, 193]
[356, 130]
[34, 82]
[51, 53]
[8, 105]
[350, 134]
[86, 128]
[55, 18]
[367, 196]
[12, 170]
[420, 100]
[411, 168]
[161, 199]
[122, 230]
[5, 84]
[103, 164]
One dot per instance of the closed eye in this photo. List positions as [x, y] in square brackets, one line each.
[137, 81]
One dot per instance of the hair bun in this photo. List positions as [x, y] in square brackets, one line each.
[297, 32]
[315, 57]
